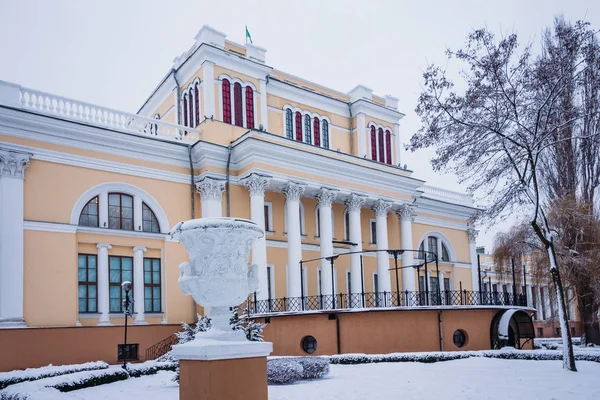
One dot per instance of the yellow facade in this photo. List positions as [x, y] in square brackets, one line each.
[67, 159]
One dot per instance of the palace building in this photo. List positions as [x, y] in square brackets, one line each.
[88, 195]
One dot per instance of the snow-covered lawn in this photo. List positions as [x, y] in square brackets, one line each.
[472, 378]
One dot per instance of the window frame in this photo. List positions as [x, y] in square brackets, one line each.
[373, 231]
[249, 106]
[226, 101]
[121, 194]
[289, 123]
[87, 283]
[153, 285]
[269, 222]
[97, 198]
[153, 219]
[121, 280]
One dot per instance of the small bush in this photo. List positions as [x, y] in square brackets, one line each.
[150, 368]
[33, 374]
[91, 379]
[313, 367]
[283, 371]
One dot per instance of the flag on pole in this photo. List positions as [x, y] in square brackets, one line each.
[248, 37]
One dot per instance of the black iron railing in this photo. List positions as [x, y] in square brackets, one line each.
[385, 299]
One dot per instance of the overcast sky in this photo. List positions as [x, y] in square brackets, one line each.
[114, 52]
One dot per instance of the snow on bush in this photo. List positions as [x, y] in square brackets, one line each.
[282, 371]
[151, 367]
[313, 367]
[32, 374]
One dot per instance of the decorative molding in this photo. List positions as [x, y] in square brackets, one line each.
[256, 184]
[381, 207]
[293, 191]
[440, 223]
[13, 163]
[355, 202]
[104, 246]
[118, 232]
[405, 212]
[139, 248]
[472, 234]
[325, 197]
[49, 227]
[210, 189]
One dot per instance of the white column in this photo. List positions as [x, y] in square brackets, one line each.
[103, 295]
[529, 296]
[398, 159]
[137, 213]
[325, 198]
[473, 255]
[103, 209]
[354, 203]
[264, 116]
[12, 172]
[208, 89]
[405, 213]
[441, 285]
[361, 135]
[176, 102]
[138, 284]
[381, 209]
[211, 191]
[293, 192]
[256, 185]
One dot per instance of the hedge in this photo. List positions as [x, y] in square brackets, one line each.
[33, 374]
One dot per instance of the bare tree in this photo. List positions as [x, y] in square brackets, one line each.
[494, 133]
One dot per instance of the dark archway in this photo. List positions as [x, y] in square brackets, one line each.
[511, 328]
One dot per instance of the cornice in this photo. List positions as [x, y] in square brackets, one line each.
[443, 208]
[306, 97]
[69, 228]
[371, 109]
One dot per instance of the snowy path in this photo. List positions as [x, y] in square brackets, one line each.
[473, 378]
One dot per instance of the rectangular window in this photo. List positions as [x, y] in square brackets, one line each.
[349, 281]
[540, 332]
[88, 283]
[432, 245]
[269, 281]
[373, 231]
[152, 287]
[120, 211]
[266, 218]
[120, 270]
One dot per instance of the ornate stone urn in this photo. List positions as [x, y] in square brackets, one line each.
[217, 276]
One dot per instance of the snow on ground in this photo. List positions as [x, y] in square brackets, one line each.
[472, 378]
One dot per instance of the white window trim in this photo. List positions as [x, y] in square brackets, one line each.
[312, 115]
[372, 239]
[138, 195]
[269, 224]
[441, 238]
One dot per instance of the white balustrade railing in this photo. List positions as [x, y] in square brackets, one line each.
[105, 117]
[447, 195]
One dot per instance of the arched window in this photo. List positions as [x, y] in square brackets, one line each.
[149, 221]
[237, 101]
[226, 94]
[120, 211]
[249, 108]
[89, 214]
[192, 101]
[445, 256]
[197, 104]
[381, 153]
[307, 133]
[325, 134]
[373, 144]
[289, 127]
[185, 110]
[317, 131]
[388, 147]
[298, 126]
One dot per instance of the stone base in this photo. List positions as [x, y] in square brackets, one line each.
[211, 369]
[232, 379]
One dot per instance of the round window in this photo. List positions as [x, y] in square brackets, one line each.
[459, 338]
[309, 344]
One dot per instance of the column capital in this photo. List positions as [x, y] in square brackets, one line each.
[140, 248]
[405, 212]
[13, 163]
[355, 202]
[210, 189]
[256, 184]
[381, 207]
[293, 191]
[104, 246]
[472, 234]
[325, 197]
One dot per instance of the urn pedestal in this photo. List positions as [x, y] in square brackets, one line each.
[221, 363]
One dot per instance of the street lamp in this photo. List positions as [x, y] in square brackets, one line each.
[126, 286]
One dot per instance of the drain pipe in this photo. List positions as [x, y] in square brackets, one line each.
[229, 148]
[351, 135]
[441, 332]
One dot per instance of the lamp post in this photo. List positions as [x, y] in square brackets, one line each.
[126, 286]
